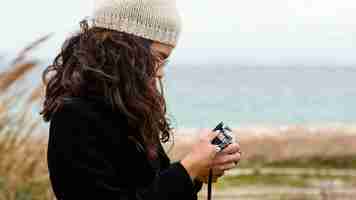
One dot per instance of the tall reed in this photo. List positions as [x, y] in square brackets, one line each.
[23, 167]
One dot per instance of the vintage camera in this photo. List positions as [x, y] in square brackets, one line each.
[224, 138]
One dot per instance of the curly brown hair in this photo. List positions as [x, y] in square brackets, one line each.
[118, 66]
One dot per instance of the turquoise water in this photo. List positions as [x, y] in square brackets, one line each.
[203, 96]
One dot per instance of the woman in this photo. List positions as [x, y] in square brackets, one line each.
[108, 117]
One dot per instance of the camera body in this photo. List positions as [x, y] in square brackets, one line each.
[224, 138]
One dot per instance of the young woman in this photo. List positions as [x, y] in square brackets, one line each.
[108, 116]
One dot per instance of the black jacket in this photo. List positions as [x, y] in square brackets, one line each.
[90, 157]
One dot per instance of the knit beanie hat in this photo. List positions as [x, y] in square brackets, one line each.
[156, 20]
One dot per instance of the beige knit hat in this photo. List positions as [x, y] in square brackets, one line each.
[157, 20]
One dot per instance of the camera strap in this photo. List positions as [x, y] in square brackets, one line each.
[210, 179]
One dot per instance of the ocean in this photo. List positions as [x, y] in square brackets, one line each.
[202, 96]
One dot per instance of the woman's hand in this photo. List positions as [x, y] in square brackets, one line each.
[200, 159]
[223, 161]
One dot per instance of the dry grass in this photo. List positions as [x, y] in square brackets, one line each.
[23, 168]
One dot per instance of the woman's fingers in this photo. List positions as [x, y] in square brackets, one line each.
[217, 172]
[226, 166]
[221, 159]
[231, 149]
[224, 160]
[208, 135]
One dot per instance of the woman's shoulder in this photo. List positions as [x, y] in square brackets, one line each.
[85, 104]
[92, 110]
[87, 117]
[87, 107]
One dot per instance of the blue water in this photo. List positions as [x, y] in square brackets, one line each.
[203, 96]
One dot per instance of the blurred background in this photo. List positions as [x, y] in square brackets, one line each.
[281, 73]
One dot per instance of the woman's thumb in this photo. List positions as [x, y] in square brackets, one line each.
[211, 135]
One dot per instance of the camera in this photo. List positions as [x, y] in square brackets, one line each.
[224, 138]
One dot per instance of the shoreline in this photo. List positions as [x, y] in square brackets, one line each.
[261, 129]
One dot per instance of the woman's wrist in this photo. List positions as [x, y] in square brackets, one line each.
[189, 167]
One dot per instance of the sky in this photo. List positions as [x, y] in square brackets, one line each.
[253, 32]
